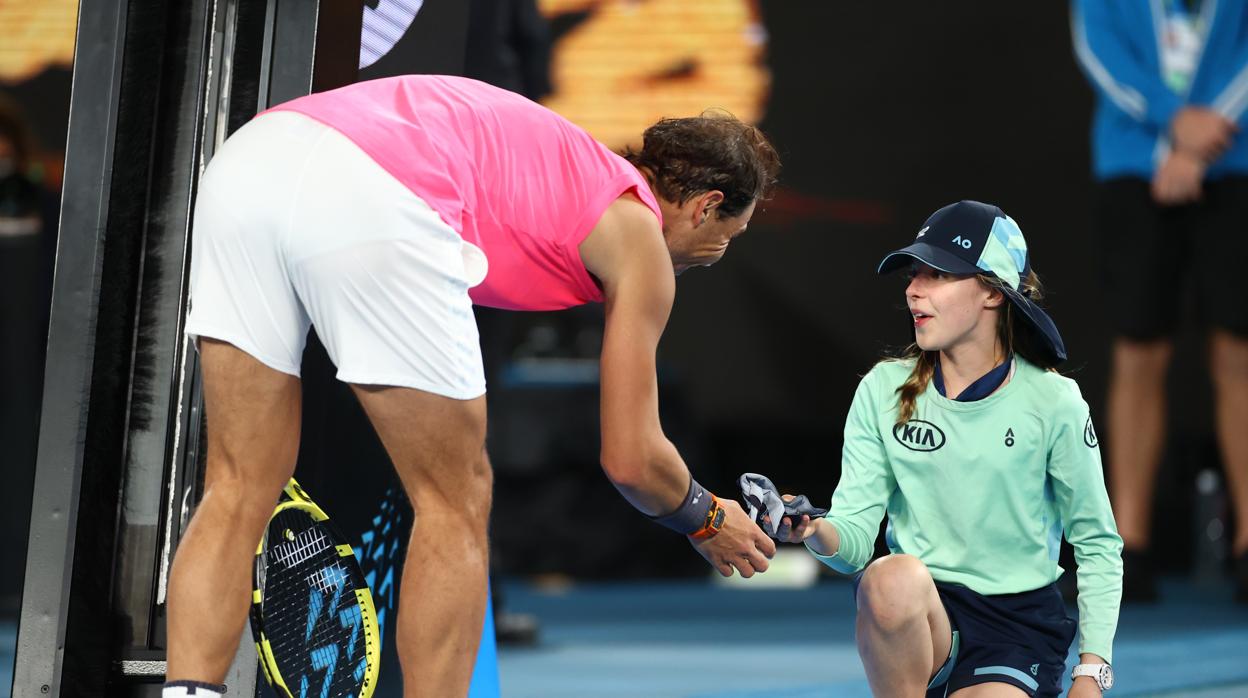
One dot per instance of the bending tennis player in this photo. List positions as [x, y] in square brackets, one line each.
[983, 457]
[379, 213]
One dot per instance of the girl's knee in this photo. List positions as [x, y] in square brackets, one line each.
[894, 591]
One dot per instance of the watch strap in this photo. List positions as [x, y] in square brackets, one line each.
[1096, 671]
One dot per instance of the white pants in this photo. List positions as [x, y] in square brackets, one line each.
[296, 226]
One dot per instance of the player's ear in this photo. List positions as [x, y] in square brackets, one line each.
[708, 204]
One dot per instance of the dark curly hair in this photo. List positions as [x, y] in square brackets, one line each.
[714, 151]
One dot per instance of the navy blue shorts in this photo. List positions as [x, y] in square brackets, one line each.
[1020, 639]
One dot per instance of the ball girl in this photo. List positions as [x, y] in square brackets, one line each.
[983, 457]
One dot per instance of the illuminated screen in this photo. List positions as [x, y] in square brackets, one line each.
[620, 65]
[37, 35]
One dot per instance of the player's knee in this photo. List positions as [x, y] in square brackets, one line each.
[247, 503]
[458, 491]
[238, 466]
[893, 591]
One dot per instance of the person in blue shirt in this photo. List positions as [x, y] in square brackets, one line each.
[1171, 163]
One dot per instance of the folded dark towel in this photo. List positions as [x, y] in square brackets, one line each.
[764, 504]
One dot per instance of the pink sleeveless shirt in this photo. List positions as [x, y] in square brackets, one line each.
[512, 177]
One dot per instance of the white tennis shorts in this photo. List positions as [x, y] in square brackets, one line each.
[295, 226]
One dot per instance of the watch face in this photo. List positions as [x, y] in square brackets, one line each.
[1107, 677]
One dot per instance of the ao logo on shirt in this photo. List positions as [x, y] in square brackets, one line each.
[1089, 434]
[919, 435]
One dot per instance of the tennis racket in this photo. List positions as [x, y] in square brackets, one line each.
[312, 613]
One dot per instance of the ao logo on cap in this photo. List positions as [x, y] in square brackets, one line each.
[919, 435]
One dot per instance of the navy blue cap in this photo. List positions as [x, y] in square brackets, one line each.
[970, 237]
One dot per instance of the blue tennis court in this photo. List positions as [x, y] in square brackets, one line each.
[698, 640]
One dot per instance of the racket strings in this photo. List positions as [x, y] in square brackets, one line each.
[311, 615]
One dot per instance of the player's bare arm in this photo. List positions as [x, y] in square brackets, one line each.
[626, 252]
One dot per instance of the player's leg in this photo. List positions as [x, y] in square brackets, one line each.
[903, 631]
[437, 446]
[253, 437]
[241, 296]
[385, 281]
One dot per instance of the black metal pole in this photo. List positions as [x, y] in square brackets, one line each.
[71, 345]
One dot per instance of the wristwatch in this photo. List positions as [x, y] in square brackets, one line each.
[714, 521]
[1103, 673]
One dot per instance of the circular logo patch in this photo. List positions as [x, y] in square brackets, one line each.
[1089, 434]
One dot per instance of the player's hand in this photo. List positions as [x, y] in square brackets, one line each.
[1084, 687]
[1201, 133]
[1178, 180]
[740, 544]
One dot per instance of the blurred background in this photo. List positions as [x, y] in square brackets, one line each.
[881, 116]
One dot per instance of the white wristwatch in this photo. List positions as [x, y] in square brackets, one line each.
[1103, 673]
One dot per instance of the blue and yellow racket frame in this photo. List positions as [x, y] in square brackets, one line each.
[298, 499]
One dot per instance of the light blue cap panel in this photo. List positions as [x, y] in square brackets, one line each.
[1005, 252]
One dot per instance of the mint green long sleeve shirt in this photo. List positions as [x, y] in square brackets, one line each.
[982, 492]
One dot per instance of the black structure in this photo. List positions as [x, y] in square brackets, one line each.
[156, 87]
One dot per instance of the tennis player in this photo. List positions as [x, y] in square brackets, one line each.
[983, 457]
[379, 213]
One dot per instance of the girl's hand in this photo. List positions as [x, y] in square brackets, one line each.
[794, 529]
[798, 531]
